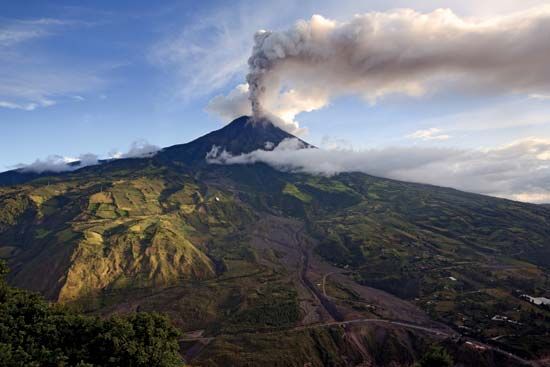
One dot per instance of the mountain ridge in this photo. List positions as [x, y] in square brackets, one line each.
[242, 135]
[233, 251]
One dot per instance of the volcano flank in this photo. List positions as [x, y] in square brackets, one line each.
[260, 266]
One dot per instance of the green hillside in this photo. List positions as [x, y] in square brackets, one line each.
[254, 264]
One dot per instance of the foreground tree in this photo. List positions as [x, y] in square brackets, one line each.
[436, 357]
[35, 333]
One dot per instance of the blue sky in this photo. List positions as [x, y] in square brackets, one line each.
[94, 76]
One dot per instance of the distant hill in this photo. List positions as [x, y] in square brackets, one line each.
[255, 264]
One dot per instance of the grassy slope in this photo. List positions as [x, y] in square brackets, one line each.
[462, 257]
[174, 239]
[146, 230]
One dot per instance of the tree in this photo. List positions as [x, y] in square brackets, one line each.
[436, 356]
[36, 333]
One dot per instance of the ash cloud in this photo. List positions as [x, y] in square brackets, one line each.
[518, 171]
[401, 51]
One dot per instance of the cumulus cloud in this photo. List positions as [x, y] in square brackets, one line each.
[520, 170]
[57, 163]
[400, 51]
[138, 149]
[234, 105]
[141, 149]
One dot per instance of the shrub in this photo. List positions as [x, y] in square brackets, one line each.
[36, 333]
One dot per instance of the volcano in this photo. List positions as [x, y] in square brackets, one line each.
[258, 266]
[242, 135]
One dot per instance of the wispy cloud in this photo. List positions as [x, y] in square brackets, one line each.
[212, 50]
[14, 32]
[58, 163]
[25, 89]
[138, 149]
[30, 79]
[26, 107]
[543, 97]
[516, 113]
[429, 134]
[519, 170]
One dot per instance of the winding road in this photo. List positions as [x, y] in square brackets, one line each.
[319, 293]
[437, 332]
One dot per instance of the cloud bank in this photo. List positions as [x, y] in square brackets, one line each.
[519, 171]
[58, 163]
[402, 51]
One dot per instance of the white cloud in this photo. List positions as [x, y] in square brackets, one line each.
[282, 112]
[520, 170]
[28, 106]
[57, 163]
[16, 32]
[543, 97]
[138, 149]
[429, 134]
[234, 105]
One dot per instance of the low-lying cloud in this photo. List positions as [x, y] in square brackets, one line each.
[138, 149]
[58, 163]
[519, 171]
[396, 52]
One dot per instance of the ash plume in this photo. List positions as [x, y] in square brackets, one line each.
[401, 51]
[259, 64]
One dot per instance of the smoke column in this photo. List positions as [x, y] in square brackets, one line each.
[259, 64]
[401, 51]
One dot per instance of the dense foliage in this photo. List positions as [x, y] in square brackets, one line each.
[35, 333]
[436, 357]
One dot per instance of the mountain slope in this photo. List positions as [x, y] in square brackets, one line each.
[242, 135]
[232, 250]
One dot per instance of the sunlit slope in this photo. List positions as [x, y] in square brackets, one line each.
[70, 239]
[247, 248]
